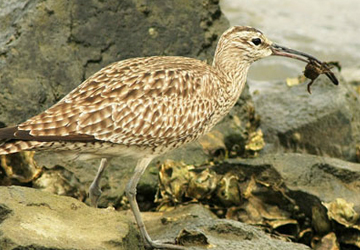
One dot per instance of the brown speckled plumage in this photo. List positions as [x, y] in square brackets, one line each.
[146, 102]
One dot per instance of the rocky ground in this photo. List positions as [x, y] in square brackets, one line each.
[279, 172]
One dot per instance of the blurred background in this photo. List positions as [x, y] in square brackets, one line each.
[329, 30]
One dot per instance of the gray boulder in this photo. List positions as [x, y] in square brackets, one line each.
[322, 177]
[33, 219]
[309, 198]
[326, 123]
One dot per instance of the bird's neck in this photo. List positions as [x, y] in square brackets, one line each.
[234, 73]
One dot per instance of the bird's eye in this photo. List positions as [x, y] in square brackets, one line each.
[256, 41]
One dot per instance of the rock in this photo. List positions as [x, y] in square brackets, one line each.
[60, 181]
[328, 242]
[286, 193]
[326, 123]
[33, 219]
[18, 169]
[302, 196]
[200, 229]
[322, 177]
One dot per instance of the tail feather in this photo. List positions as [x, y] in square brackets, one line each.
[7, 133]
[13, 140]
[9, 144]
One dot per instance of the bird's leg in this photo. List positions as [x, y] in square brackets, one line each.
[131, 195]
[94, 190]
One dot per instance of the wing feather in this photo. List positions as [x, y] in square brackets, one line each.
[142, 101]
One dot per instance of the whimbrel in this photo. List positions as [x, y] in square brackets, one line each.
[144, 107]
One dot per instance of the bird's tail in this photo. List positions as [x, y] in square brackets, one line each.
[9, 144]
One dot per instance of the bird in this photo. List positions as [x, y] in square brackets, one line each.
[143, 107]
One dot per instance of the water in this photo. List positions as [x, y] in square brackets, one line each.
[329, 30]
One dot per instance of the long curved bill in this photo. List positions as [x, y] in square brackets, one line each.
[278, 50]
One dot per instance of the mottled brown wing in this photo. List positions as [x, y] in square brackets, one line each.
[142, 101]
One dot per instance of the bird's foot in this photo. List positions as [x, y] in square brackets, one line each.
[94, 194]
[155, 244]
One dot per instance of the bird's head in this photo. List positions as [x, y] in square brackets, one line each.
[250, 44]
[246, 43]
[242, 45]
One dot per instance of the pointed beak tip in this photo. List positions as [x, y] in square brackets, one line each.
[278, 50]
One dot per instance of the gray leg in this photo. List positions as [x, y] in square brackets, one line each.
[94, 190]
[131, 195]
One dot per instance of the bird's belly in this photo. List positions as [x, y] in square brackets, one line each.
[93, 150]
